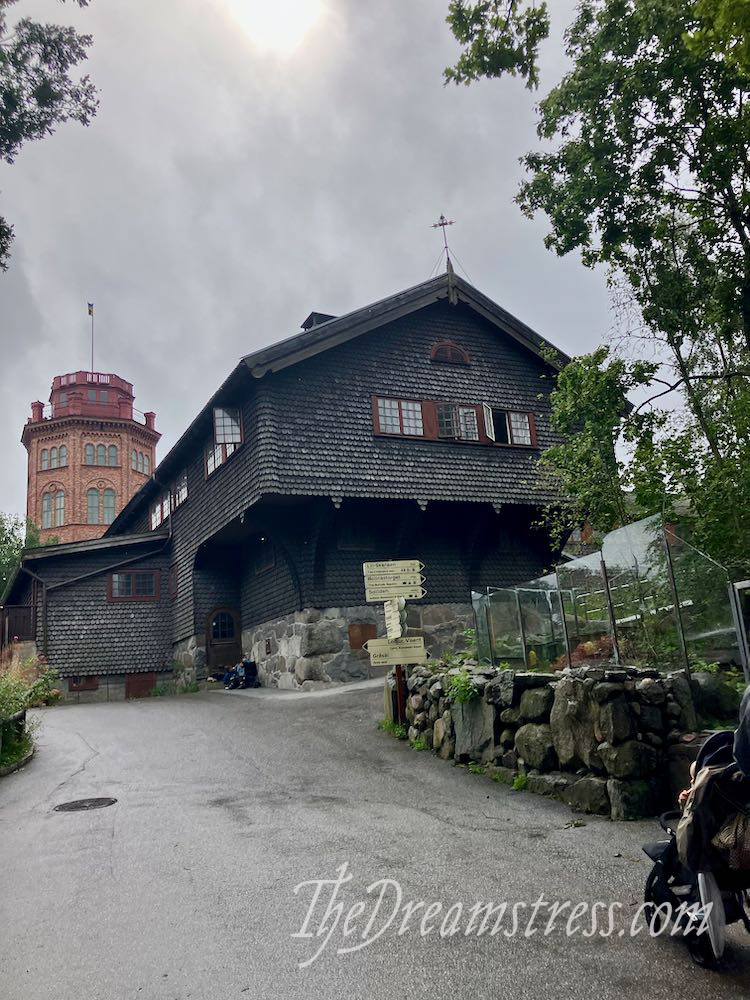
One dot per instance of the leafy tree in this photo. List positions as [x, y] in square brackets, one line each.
[646, 171]
[37, 92]
[588, 409]
[724, 31]
[15, 536]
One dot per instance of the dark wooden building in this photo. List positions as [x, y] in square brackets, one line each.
[410, 428]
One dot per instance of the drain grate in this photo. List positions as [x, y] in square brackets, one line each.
[82, 805]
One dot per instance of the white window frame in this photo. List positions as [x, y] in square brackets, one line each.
[227, 425]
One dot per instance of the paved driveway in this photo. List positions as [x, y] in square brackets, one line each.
[184, 888]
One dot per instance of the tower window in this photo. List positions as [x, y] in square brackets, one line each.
[63, 455]
[134, 460]
[146, 465]
[53, 458]
[109, 506]
[46, 510]
[449, 353]
[112, 454]
[101, 455]
[44, 459]
[59, 508]
[89, 455]
[92, 506]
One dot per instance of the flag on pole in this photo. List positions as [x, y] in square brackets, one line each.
[91, 308]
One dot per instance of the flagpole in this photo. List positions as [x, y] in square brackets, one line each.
[91, 314]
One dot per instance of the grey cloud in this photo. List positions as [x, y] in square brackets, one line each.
[221, 194]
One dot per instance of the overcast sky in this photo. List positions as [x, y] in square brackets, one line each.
[232, 182]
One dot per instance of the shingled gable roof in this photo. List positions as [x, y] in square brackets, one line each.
[323, 336]
[340, 329]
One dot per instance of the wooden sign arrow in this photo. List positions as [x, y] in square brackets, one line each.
[383, 579]
[384, 592]
[384, 652]
[393, 566]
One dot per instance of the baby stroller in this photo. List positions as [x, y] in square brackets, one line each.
[691, 870]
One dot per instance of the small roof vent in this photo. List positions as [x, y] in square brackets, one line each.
[315, 319]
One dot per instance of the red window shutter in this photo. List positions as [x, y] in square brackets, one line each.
[375, 418]
[429, 419]
[532, 430]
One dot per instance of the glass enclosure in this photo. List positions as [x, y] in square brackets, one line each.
[648, 597]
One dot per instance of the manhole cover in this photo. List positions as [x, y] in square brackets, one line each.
[81, 805]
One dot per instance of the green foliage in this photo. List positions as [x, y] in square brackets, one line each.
[26, 686]
[15, 747]
[461, 688]
[188, 687]
[644, 170]
[419, 744]
[37, 92]
[475, 768]
[393, 728]
[498, 37]
[520, 782]
[15, 536]
[724, 31]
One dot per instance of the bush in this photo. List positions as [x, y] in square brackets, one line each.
[27, 685]
[462, 688]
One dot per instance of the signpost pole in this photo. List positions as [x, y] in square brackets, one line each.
[401, 694]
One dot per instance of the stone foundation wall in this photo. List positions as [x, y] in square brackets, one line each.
[311, 648]
[607, 741]
[190, 655]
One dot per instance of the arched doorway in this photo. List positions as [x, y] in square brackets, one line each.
[223, 639]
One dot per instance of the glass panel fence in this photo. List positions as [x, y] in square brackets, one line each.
[541, 620]
[504, 628]
[704, 606]
[584, 602]
[642, 596]
[481, 604]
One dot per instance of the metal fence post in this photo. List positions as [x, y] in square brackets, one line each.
[610, 610]
[521, 631]
[739, 625]
[676, 599]
[566, 637]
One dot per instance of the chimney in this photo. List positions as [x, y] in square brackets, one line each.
[150, 420]
[37, 409]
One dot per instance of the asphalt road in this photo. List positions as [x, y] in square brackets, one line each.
[185, 887]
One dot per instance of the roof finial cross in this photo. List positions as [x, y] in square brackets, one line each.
[443, 223]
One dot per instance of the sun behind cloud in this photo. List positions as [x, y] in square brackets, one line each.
[278, 26]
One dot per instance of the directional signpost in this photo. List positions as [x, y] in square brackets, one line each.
[399, 578]
[395, 617]
[395, 582]
[409, 649]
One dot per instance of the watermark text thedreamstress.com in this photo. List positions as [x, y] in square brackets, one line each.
[360, 923]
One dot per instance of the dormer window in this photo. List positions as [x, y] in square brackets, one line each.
[449, 353]
[227, 426]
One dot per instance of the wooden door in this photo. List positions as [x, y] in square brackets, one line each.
[223, 639]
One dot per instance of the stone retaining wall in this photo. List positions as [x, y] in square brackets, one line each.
[607, 741]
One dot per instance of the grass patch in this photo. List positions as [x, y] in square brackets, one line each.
[419, 744]
[393, 729]
[520, 782]
[475, 768]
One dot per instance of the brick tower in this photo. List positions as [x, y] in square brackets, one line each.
[88, 454]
